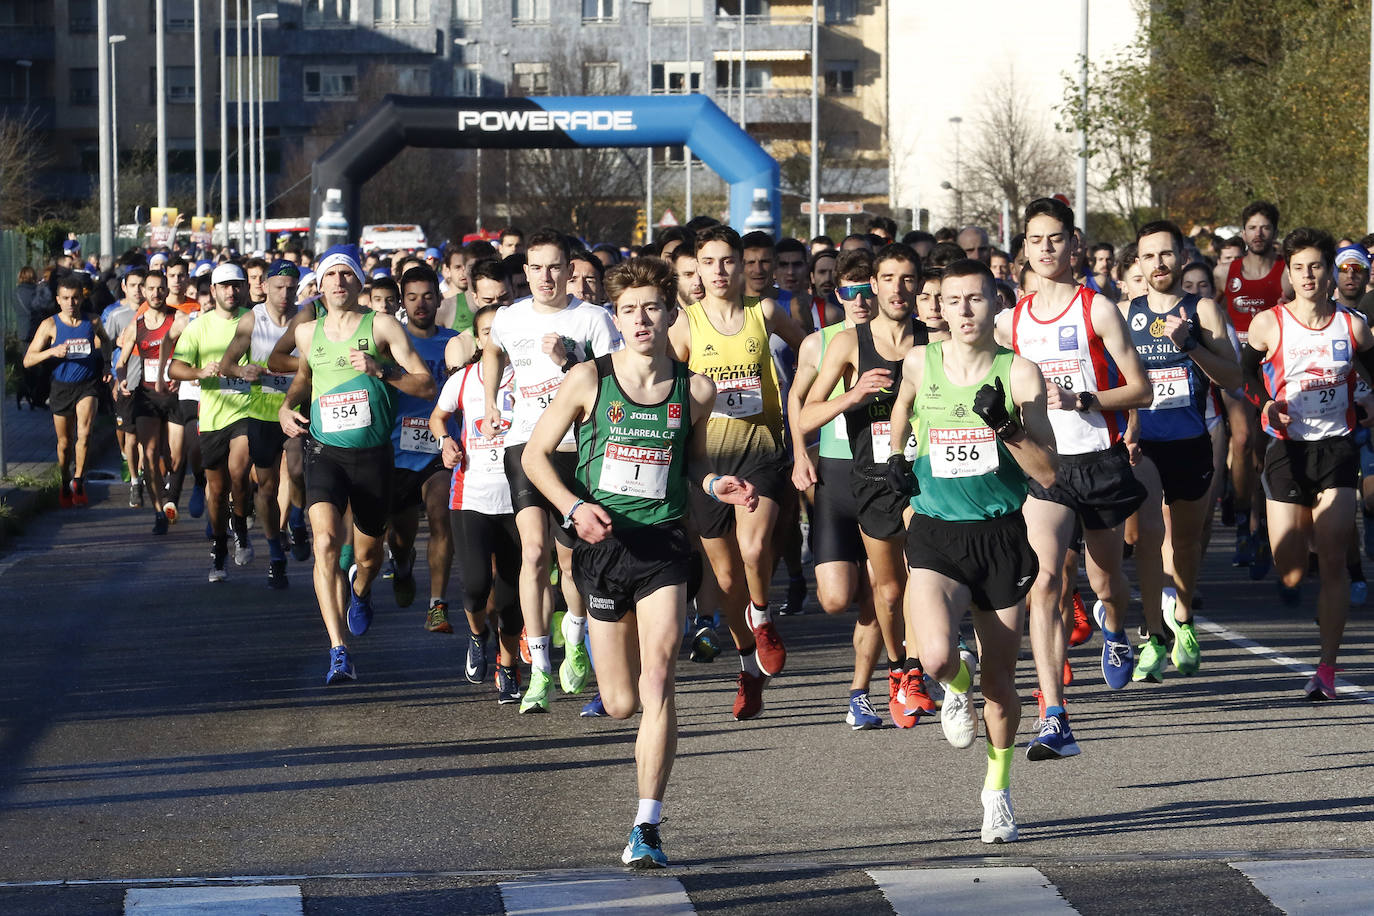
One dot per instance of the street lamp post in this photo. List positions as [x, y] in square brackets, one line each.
[742, 79]
[815, 119]
[26, 66]
[103, 141]
[262, 130]
[114, 128]
[224, 120]
[648, 90]
[161, 81]
[238, 98]
[958, 175]
[252, 145]
[687, 90]
[200, 122]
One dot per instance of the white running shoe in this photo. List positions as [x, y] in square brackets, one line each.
[999, 824]
[957, 716]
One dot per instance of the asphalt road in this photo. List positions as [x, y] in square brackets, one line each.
[158, 730]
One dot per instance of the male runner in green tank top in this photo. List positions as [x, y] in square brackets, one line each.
[966, 543]
[350, 361]
[197, 350]
[641, 424]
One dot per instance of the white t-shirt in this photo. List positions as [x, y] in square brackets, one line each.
[519, 330]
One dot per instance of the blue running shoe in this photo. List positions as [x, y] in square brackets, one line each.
[644, 849]
[475, 665]
[861, 715]
[594, 709]
[359, 608]
[340, 666]
[1118, 661]
[1245, 547]
[197, 504]
[1359, 593]
[507, 685]
[1055, 740]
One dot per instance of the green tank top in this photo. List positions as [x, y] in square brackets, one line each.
[632, 458]
[462, 313]
[834, 441]
[348, 408]
[223, 401]
[966, 474]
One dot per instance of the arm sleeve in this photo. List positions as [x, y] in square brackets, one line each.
[1250, 360]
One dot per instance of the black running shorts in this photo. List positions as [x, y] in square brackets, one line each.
[214, 444]
[880, 507]
[1184, 465]
[771, 476]
[1296, 472]
[834, 516]
[64, 396]
[1098, 486]
[356, 477]
[630, 565]
[992, 557]
[525, 495]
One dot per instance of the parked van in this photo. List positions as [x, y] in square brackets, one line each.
[393, 237]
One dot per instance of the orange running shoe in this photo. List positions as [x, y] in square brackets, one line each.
[749, 696]
[914, 694]
[1082, 625]
[64, 497]
[896, 703]
[525, 649]
[1040, 702]
[1068, 673]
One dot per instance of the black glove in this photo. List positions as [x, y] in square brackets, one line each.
[990, 404]
[899, 476]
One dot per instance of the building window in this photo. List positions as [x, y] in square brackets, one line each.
[24, 12]
[80, 16]
[467, 10]
[268, 81]
[526, 11]
[412, 80]
[670, 77]
[331, 84]
[532, 78]
[601, 78]
[181, 15]
[181, 84]
[841, 12]
[327, 14]
[83, 81]
[839, 76]
[467, 81]
[600, 10]
[386, 12]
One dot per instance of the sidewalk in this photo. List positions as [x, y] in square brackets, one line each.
[30, 448]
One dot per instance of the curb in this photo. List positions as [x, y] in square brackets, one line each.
[24, 504]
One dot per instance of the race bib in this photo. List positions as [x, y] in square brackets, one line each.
[635, 470]
[274, 384]
[1320, 395]
[485, 454]
[1066, 373]
[416, 437]
[968, 452]
[738, 398]
[233, 385]
[1173, 387]
[78, 346]
[881, 431]
[841, 429]
[345, 410]
[151, 368]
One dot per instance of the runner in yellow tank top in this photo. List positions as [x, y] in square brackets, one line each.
[722, 339]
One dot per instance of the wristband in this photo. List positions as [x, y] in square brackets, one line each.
[711, 487]
[568, 519]
[569, 362]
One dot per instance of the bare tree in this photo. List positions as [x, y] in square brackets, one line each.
[22, 155]
[1014, 156]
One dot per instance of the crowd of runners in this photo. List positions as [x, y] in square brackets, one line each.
[620, 451]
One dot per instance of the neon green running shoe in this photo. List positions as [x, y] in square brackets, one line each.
[556, 629]
[576, 669]
[1149, 662]
[1187, 654]
[536, 698]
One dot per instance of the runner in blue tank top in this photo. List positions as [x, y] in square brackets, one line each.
[1183, 342]
[79, 347]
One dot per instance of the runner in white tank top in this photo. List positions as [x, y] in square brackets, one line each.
[1093, 375]
[1299, 366]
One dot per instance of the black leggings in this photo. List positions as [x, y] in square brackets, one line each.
[478, 541]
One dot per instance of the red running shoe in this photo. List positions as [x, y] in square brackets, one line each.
[79, 494]
[64, 497]
[896, 701]
[1082, 625]
[771, 653]
[749, 696]
[914, 693]
[1040, 702]
[1068, 673]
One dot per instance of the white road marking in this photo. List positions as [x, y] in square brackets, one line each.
[975, 891]
[259, 900]
[1306, 887]
[1343, 687]
[608, 893]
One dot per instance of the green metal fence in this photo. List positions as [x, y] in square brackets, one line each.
[17, 250]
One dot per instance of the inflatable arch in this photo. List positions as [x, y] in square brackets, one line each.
[559, 122]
